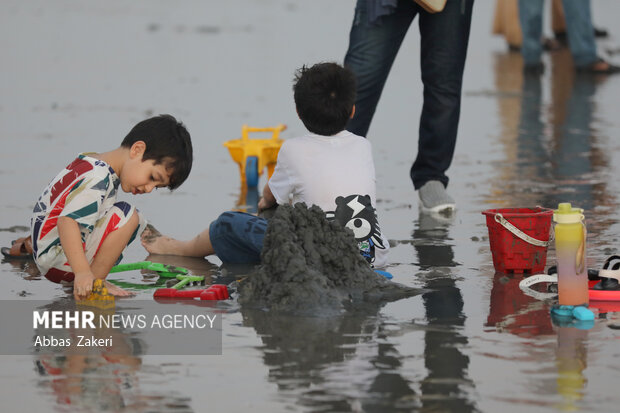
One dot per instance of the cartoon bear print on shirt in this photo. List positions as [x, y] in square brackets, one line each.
[356, 213]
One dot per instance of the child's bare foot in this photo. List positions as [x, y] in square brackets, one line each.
[150, 233]
[117, 291]
[154, 242]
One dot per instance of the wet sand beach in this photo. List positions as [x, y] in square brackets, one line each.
[76, 76]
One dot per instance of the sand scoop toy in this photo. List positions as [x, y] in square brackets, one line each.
[99, 297]
[253, 155]
[175, 288]
[163, 270]
[213, 292]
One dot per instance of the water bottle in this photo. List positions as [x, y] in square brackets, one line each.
[570, 249]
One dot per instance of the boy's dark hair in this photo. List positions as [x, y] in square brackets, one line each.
[324, 97]
[167, 141]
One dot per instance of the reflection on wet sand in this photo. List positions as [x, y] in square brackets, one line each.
[512, 311]
[446, 385]
[433, 244]
[301, 353]
[299, 350]
[103, 383]
[25, 267]
[571, 361]
[102, 378]
[553, 151]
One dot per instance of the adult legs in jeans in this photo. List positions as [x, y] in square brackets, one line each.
[371, 53]
[372, 50]
[444, 42]
[531, 20]
[579, 31]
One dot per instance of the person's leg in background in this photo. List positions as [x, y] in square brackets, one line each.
[581, 38]
[580, 31]
[444, 42]
[235, 237]
[506, 23]
[371, 53]
[531, 19]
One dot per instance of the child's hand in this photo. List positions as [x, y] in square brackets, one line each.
[83, 285]
[267, 200]
[262, 204]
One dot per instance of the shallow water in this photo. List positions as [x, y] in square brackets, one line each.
[76, 76]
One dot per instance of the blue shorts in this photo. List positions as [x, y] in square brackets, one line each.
[237, 237]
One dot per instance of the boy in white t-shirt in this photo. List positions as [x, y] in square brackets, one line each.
[329, 167]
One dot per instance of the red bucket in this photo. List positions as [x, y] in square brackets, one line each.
[519, 238]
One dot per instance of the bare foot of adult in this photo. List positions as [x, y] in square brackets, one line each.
[117, 291]
[156, 243]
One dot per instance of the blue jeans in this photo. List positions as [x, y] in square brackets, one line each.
[444, 41]
[579, 31]
[237, 237]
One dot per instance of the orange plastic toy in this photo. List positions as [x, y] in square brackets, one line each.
[253, 155]
[99, 297]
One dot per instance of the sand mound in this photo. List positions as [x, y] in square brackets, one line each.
[312, 266]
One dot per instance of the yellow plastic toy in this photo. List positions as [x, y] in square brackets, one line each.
[99, 297]
[253, 155]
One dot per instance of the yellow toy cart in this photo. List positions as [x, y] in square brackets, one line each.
[253, 155]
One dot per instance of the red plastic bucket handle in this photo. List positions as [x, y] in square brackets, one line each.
[499, 218]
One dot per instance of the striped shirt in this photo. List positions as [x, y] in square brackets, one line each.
[84, 191]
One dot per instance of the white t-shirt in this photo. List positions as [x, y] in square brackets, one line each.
[336, 173]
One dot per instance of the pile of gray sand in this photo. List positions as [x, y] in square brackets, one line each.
[312, 266]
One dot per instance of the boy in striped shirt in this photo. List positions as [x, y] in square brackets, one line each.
[79, 230]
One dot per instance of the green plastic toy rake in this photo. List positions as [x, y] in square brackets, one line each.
[163, 270]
